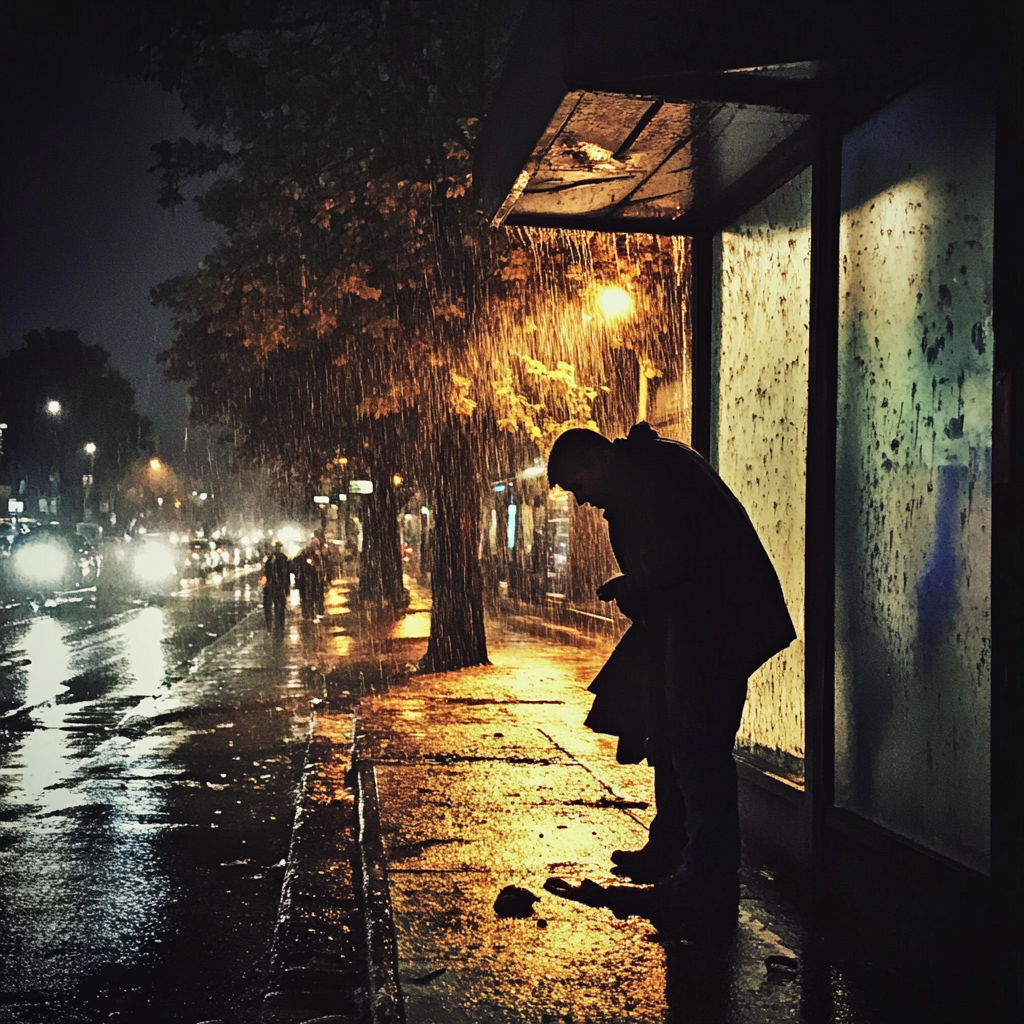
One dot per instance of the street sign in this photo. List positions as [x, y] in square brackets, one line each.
[15, 506]
[360, 487]
[321, 499]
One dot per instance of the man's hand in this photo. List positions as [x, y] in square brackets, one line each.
[609, 590]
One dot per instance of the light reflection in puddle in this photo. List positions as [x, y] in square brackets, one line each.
[49, 659]
[141, 639]
[87, 820]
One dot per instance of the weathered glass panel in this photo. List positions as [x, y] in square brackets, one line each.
[913, 469]
[759, 442]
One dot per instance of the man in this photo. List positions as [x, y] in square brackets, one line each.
[707, 610]
[277, 584]
[309, 580]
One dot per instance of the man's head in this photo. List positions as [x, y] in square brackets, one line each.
[581, 461]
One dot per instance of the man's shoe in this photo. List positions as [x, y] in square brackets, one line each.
[646, 866]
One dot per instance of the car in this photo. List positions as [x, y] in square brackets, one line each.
[200, 558]
[52, 561]
[227, 553]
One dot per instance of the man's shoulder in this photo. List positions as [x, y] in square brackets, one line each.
[645, 451]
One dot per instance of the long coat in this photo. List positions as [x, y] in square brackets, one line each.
[691, 557]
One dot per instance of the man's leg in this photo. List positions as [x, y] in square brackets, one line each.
[667, 833]
[705, 773]
[668, 827]
[703, 711]
[267, 608]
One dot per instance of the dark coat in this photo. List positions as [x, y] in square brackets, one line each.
[277, 570]
[690, 555]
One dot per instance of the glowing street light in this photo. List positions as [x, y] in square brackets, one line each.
[53, 407]
[90, 448]
[614, 302]
[156, 465]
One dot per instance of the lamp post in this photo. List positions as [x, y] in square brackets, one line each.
[156, 471]
[87, 481]
[616, 303]
[53, 410]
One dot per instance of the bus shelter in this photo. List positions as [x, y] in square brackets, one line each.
[843, 172]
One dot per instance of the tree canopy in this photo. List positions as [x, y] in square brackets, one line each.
[356, 285]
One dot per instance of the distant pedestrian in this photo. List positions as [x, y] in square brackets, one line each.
[308, 566]
[707, 609]
[277, 584]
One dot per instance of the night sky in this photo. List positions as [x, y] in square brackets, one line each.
[81, 235]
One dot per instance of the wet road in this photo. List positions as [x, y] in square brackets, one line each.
[149, 756]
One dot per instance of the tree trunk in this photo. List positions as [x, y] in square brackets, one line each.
[457, 636]
[380, 570]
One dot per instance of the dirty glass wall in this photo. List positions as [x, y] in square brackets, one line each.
[913, 468]
[759, 433]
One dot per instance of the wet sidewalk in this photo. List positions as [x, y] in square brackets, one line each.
[475, 780]
[471, 781]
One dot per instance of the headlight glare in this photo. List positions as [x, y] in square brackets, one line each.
[41, 563]
[154, 564]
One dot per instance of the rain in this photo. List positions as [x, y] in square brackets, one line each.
[293, 700]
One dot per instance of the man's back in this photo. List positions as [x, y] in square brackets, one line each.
[277, 570]
[692, 552]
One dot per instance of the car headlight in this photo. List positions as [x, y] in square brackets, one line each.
[154, 564]
[41, 563]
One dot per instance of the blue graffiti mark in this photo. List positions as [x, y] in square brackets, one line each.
[937, 588]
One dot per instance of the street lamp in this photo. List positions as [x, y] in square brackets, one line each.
[90, 450]
[53, 410]
[615, 303]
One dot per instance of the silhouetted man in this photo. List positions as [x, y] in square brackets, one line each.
[308, 566]
[707, 610]
[277, 583]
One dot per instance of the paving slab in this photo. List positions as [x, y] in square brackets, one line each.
[470, 781]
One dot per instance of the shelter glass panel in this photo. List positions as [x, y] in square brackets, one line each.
[914, 468]
[759, 434]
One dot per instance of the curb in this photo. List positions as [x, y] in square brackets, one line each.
[381, 944]
[288, 883]
[315, 971]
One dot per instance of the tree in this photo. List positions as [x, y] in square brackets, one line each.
[340, 139]
[45, 446]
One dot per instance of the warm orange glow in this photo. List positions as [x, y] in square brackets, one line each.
[397, 479]
[155, 465]
[614, 302]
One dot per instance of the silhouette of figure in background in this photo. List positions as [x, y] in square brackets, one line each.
[707, 609]
[277, 584]
[308, 567]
